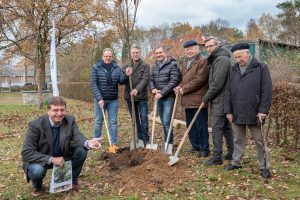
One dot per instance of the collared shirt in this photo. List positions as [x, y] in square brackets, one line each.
[160, 64]
[53, 125]
[189, 62]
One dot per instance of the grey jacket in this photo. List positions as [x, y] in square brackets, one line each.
[165, 78]
[248, 94]
[140, 81]
[219, 64]
[38, 142]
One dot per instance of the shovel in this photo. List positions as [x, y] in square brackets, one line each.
[174, 159]
[134, 143]
[152, 145]
[111, 148]
[264, 144]
[167, 148]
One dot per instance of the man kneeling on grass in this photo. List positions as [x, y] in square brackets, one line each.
[50, 140]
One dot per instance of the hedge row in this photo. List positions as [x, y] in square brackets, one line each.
[284, 118]
[82, 91]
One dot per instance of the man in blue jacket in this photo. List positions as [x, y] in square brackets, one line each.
[105, 77]
[248, 97]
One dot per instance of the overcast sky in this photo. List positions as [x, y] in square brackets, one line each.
[198, 12]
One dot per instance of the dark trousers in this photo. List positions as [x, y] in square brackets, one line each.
[221, 127]
[37, 172]
[141, 114]
[198, 134]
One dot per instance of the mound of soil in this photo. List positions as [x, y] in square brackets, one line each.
[143, 170]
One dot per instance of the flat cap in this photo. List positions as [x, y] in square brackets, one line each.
[190, 43]
[239, 46]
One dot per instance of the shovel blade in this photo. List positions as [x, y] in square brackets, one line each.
[173, 160]
[151, 146]
[167, 149]
[112, 149]
[140, 144]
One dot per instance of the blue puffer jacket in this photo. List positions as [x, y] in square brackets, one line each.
[99, 81]
[165, 78]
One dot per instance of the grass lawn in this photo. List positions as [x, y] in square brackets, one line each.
[207, 182]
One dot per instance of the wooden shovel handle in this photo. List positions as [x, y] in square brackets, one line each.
[187, 131]
[153, 122]
[106, 126]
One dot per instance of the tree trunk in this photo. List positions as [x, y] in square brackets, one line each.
[25, 74]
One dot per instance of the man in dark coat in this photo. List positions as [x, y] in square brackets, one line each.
[193, 87]
[52, 139]
[164, 78]
[219, 64]
[248, 98]
[105, 77]
[140, 76]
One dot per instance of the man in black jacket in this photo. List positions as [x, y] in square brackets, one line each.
[164, 78]
[248, 97]
[50, 140]
[140, 76]
[219, 64]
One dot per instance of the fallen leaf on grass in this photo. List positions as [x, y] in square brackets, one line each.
[270, 187]
[120, 191]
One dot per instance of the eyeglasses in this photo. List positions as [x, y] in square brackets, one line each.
[210, 46]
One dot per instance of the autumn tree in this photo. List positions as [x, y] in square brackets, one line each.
[252, 30]
[221, 29]
[290, 21]
[125, 20]
[25, 26]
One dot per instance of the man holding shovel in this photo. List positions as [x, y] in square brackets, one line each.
[164, 78]
[193, 87]
[139, 72]
[105, 77]
[248, 100]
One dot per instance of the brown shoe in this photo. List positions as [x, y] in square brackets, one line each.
[76, 186]
[37, 192]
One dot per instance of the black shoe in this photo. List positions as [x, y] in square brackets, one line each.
[265, 173]
[213, 162]
[228, 156]
[230, 167]
[203, 154]
[191, 150]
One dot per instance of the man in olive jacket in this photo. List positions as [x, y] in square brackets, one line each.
[248, 97]
[140, 76]
[219, 64]
[193, 87]
[52, 139]
[164, 78]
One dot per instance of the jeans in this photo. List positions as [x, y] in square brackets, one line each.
[198, 134]
[221, 127]
[165, 108]
[112, 109]
[142, 124]
[37, 172]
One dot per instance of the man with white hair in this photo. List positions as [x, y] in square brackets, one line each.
[193, 86]
[247, 101]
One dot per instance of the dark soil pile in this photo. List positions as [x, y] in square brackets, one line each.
[143, 170]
